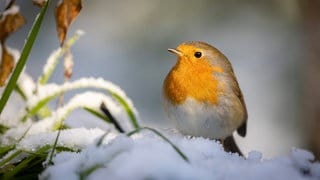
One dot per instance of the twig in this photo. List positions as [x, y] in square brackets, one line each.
[106, 111]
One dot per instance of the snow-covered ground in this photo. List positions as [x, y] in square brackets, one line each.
[146, 156]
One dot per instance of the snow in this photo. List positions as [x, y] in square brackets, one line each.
[11, 11]
[80, 32]
[26, 84]
[149, 157]
[12, 51]
[83, 138]
[51, 61]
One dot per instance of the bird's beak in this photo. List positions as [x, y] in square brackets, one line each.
[175, 51]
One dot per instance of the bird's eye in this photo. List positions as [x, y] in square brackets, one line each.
[197, 54]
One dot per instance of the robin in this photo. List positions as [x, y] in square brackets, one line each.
[202, 96]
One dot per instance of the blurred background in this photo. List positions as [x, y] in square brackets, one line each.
[274, 47]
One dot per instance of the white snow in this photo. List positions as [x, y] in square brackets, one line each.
[26, 84]
[12, 51]
[11, 11]
[51, 61]
[72, 138]
[149, 157]
[80, 32]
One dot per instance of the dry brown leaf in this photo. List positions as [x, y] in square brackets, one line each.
[39, 3]
[6, 66]
[10, 21]
[66, 12]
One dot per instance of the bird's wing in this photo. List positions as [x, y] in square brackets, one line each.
[242, 130]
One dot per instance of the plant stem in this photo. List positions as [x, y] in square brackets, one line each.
[54, 147]
[106, 111]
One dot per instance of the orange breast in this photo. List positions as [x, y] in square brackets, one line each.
[192, 79]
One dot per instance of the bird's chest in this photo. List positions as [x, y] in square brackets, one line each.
[196, 81]
[199, 119]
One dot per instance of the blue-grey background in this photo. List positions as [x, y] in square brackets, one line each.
[126, 42]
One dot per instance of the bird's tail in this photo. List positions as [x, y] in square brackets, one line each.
[230, 145]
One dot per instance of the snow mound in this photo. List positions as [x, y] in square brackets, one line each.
[146, 156]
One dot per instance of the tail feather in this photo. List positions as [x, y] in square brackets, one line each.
[230, 145]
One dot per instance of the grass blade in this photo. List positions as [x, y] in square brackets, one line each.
[50, 66]
[99, 83]
[26, 164]
[5, 149]
[184, 157]
[23, 58]
[13, 155]
[87, 172]
[20, 92]
[54, 147]
[3, 128]
[128, 110]
[97, 114]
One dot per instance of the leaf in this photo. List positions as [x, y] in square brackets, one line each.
[40, 3]
[65, 13]
[6, 66]
[5, 149]
[10, 21]
[3, 129]
[11, 156]
[26, 164]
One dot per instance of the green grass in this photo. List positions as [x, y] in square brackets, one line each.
[23, 58]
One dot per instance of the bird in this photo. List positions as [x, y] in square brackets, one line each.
[201, 95]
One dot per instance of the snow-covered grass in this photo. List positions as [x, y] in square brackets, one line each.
[110, 155]
[30, 135]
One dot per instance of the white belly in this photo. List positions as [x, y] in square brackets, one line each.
[200, 119]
